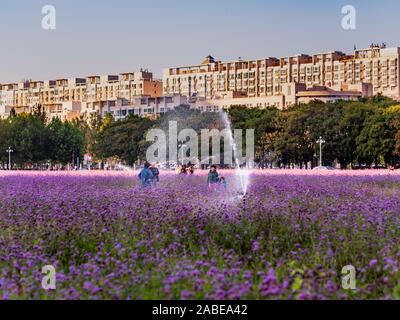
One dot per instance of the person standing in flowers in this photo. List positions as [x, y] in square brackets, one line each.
[190, 169]
[156, 174]
[146, 176]
[183, 169]
[213, 177]
[223, 182]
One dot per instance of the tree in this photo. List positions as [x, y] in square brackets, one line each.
[324, 122]
[350, 126]
[65, 140]
[39, 112]
[122, 139]
[187, 118]
[5, 136]
[264, 122]
[393, 114]
[377, 139]
[29, 139]
[298, 133]
[89, 129]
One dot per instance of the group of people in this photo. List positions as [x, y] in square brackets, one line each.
[186, 169]
[149, 175]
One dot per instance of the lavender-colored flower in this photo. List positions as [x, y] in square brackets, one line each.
[255, 246]
[373, 263]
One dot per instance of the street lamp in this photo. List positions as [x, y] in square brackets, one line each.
[9, 151]
[321, 142]
[182, 146]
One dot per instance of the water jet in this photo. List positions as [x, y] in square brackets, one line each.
[242, 174]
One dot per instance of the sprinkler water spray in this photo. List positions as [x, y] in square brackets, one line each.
[243, 198]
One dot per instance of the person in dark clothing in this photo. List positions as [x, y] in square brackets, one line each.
[191, 170]
[183, 169]
[146, 176]
[156, 174]
[213, 176]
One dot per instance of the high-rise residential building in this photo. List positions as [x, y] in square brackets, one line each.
[69, 98]
[146, 106]
[377, 66]
[213, 85]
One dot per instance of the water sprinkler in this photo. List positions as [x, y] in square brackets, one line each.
[243, 197]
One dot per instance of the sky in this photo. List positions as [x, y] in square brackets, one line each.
[114, 36]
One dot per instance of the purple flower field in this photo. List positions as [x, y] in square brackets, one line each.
[110, 239]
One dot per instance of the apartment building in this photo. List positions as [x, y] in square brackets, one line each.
[291, 93]
[8, 94]
[378, 66]
[68, 98]
[213, 85]
[146, 106]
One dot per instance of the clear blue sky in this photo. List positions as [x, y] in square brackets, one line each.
[111, 36]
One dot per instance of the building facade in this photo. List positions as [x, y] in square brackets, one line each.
[214, 85]
[291, 93]
[70, 98]
[378, 66]
[146, 106]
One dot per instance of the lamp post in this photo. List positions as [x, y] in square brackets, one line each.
[182, 146]
[77, 162]
[321, 142]
[9, 151]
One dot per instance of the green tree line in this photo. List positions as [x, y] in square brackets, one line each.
[364, 133]
[36, 142]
